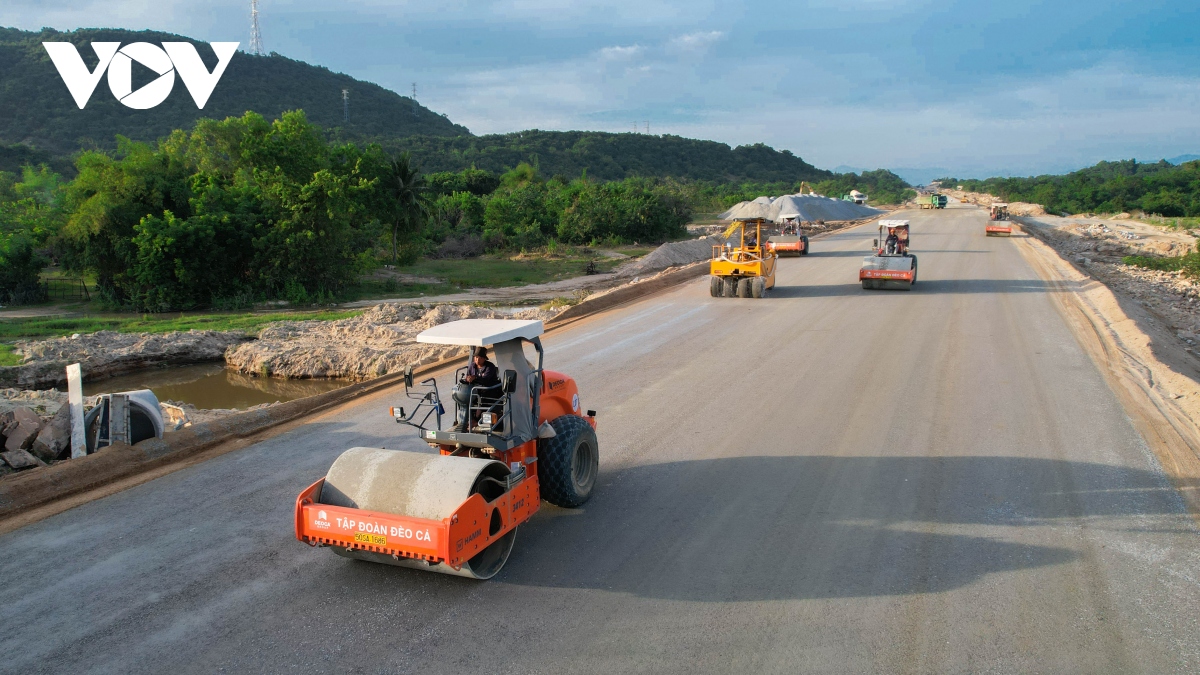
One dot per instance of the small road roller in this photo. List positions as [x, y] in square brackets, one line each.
[746, 270]
[998, 223]
[790, 242]
[455, 511]
[892, 265]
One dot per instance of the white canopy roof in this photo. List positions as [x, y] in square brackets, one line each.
[480, 332]
[893, 223]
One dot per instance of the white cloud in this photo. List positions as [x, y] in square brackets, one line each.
[696, 41]
[619, 53]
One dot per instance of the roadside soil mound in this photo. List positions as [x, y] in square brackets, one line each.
[107, 353]
[381, 340]
[986, 200]
[1097, 245]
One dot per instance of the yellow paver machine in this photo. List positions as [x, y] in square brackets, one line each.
[747, 269]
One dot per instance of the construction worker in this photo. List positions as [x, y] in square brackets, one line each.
[891, 243]
[480, 374]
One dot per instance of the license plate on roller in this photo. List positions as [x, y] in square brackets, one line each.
[372, 539]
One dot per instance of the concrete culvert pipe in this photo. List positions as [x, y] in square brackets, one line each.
[418, 485]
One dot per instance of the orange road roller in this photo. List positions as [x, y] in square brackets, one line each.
[891, 265]
[520, 437]
[998, 223]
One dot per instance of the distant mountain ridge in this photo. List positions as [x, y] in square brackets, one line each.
[40, 123]
[36, 109]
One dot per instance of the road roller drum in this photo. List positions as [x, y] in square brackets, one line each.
[417, 485]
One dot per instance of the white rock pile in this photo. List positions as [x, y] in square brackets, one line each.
[107, 353]
[381, 340]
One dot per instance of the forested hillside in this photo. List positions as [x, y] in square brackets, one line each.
[608, 156]
[40, 123]
[37, 110]
[1108, 187]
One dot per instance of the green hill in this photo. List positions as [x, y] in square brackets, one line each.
[37, 110]
[608, 156]
[40, 123]
[1159, 188]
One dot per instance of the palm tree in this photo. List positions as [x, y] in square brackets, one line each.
[409, 194]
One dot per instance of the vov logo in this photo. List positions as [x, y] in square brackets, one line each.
[171, 58]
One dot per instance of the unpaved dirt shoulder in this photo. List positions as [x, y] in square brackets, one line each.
[1156, 380]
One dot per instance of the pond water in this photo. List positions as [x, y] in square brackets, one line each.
[212, 385]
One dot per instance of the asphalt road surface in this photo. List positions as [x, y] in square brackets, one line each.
[827, 480]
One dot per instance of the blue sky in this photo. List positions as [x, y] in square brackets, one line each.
[976, 88]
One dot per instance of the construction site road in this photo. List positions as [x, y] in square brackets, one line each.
[826, 480]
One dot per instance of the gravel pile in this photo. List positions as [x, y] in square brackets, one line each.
[812, 208]
[809, 208]
[673, 254]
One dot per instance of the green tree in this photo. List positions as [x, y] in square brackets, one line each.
[408, 192]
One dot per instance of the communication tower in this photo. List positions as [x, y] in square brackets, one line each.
[345, 106]
[256, 46]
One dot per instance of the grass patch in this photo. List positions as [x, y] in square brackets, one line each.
[499, 271]
[8, 357]
[46, 327]
[1162, 264]
[1190, 223]
[1189, 264]
[559, 303]
[370, 289]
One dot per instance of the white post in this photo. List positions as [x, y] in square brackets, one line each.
[75, 400]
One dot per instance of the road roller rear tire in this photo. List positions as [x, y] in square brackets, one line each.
[743, 288]
[758, 287]
[568, 463]
[805, 240]
[715, 286]
[730, 287]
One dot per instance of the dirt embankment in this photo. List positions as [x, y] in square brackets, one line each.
[381, 340]
[985, 200]
[1097, 245]
[378, 342]
[106, 353]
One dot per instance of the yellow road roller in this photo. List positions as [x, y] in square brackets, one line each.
[747, 269]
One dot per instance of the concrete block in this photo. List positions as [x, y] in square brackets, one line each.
[21, 437]
[24, 415]
[54, 440]
[20, 460]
